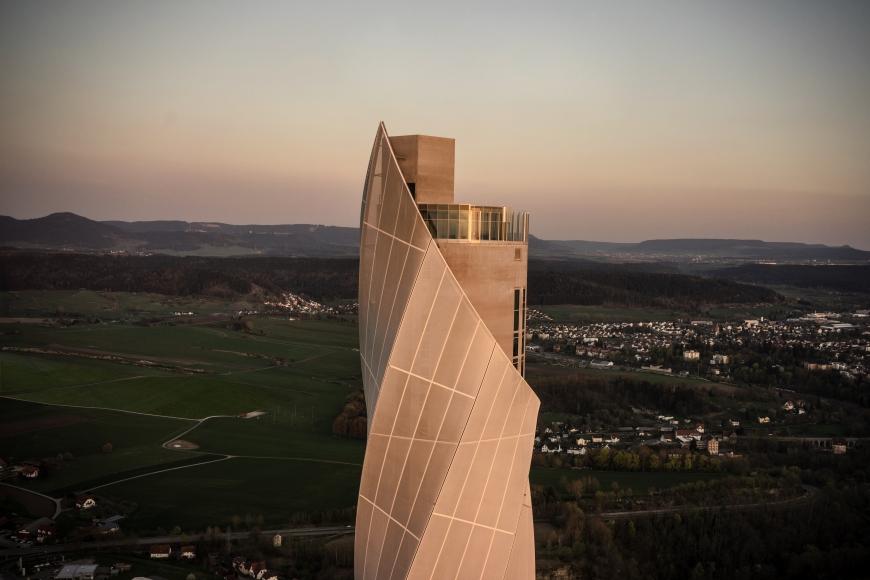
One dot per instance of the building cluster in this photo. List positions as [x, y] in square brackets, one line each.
[256, 569]
[57, 568]
[296, 304]
[668, 432]
[93, 520]
[832, 341]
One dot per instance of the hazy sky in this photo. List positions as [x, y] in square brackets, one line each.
[607, 120]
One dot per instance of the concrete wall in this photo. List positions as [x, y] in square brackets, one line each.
[427, 162]
[489, 272]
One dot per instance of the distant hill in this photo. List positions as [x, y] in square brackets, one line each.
[685, 248]
[68, 231]
[60, 230]
[635, 285]
[550, 282]
[843, 278]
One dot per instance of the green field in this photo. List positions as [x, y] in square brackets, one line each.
[202, 370]
[109, 304]
[210, 495]
[267, 437]
[32, 431]
[66, 404]
[535, 369]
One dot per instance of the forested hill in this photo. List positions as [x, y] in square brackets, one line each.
[558, 283]
[844, 278]
[336, 278]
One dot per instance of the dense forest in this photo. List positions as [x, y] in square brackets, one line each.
[554, 283]
[319, 278]
[845, 278]
[336, 278]
[823, 537]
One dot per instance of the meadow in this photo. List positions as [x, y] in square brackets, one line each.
[71, 389]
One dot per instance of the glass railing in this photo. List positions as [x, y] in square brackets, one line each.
[459, 221]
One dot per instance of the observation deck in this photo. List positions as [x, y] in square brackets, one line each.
[478, 223]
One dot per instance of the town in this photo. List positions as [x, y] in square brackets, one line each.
[714, 350]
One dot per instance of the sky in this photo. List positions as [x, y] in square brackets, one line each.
[614, 121]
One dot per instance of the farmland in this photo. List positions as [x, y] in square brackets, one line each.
[102, 400]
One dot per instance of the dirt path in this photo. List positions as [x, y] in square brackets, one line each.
[150, 473]
[97, 408]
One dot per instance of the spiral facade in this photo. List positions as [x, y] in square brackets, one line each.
[444, 491]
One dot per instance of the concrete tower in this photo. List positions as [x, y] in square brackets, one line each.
[444, 490]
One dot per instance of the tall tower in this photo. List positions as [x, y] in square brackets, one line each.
[444, 490]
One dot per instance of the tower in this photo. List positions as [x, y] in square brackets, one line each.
[444, 491]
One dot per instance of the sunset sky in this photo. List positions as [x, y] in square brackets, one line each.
[617, 121]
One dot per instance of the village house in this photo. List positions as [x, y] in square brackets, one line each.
[86, 502]
[161, 551]
[40, 530]
[77, 572]
[601, 365]
[254, 568]
[29, 471]
[109, 525]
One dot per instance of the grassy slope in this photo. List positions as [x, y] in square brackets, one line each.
[108, 304]
[212, 494]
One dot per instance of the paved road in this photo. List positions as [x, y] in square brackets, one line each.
[126, 542]
[809, 492]
[53, 500]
